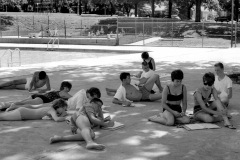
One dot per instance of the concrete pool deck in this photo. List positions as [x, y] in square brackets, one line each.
[140, 139]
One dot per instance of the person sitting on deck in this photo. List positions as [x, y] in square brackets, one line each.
[127, 93]
[139, 79]
[209, 111]
[173, 95]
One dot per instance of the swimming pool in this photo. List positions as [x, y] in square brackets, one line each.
[34, 57]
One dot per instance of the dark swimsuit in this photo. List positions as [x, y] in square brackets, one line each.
[150, 64]
[47, 97]
[171, 97]
[198, 108]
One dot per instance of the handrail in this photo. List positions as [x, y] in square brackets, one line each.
[10, 58]
[53, 42]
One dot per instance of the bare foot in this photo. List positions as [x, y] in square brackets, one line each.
[54, 139]
[95, 146]
[4, 105]
[12, 107]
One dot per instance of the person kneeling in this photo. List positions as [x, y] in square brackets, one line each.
[173, 95]
[84, 121]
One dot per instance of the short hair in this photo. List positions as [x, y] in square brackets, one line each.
[208, 78]
[177, 74]
[144, 63]
[95, 100]
[219, 64]
[124, 75]
[94, 91]
[65, 84]
[42, 75]
[145, 55]
[59, 103]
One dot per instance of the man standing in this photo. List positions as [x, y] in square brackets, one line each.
[38, 80]
[223, 84]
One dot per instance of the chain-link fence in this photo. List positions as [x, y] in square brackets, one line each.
[162, 32]
[134, 31]
[53, 25]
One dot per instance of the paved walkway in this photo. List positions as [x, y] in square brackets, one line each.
[140, 139]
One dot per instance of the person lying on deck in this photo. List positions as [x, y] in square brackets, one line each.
[84, 120]
[139, 79]
[29, 112]
[38, 80]
[36, 99]
[127, 93]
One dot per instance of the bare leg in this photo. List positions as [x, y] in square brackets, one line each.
[153, 80]
[220, 107]
[165, 118]
[15, 84]
[30, 101]
[11, 116]
[111, 92]
[85, 134]
[75, 137]
[156, 96]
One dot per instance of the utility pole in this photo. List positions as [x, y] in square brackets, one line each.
[232, 17]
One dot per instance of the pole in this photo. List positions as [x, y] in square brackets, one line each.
[236, 26]
[65, 30]
[117, 40]
[33, 23]
[232, 23]
[202, 33]
[172, 33]
[143, 35]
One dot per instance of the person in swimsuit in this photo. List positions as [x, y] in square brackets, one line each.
[206, 110]
[84, 120]
[149, 60]
[35, 113]
[82, 98]
[127, 93]
[173, 95]
[36, 99]
[139, 79]
[38, 80]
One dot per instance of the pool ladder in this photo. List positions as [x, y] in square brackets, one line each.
[52, 41]
[9, 55]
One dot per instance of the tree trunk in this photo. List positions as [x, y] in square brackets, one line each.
[198, 11]
[80, 7]
[170, 9]
[153, 7]
[136, 9]
[236, 9]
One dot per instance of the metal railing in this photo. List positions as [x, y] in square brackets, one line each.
[9, 56]
[52, 41]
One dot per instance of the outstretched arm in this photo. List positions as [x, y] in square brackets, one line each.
[54, 115]
[98, 121]
[33, 81]
[47, 84]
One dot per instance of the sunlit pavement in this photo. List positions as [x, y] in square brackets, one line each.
[140, 139]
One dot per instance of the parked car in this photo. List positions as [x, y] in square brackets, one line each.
[223, 18]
